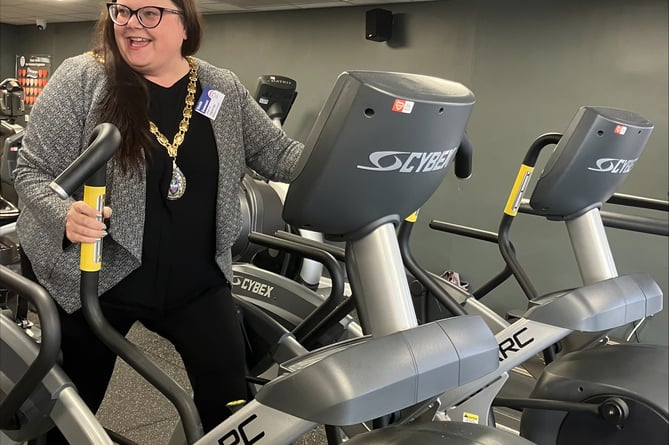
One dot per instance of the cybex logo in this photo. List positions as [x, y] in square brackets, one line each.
[612, 165]
[408, 161]
[256, 287]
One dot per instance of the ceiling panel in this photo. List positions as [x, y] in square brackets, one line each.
[25, 12]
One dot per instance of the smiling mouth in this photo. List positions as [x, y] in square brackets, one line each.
[137, 42]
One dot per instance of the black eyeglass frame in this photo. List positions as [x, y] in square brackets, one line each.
[135, 12]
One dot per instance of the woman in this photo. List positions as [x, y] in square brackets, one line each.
[172, 186]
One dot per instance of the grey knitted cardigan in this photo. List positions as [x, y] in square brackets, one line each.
[61, 123]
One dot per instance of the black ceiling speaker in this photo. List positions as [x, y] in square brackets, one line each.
[378, 25]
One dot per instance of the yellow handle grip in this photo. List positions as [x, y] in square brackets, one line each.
[91, 253]
[519, 187]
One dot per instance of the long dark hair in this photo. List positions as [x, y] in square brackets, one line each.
[126, 103]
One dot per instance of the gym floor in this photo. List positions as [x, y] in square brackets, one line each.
[136, 410]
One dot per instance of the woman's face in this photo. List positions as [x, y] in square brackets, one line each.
[150, 51]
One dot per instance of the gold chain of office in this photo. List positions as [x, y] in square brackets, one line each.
[173, 147]
[187, 114]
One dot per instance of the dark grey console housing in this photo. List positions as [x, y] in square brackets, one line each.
[380, 146]
[592, 159]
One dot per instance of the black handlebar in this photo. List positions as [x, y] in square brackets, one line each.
[639, 201]
[49, 348]
[634, 223]
[337, 252]
[304, 332]
[105, 139]
[90, 168]
[420, 274]
[463, 159]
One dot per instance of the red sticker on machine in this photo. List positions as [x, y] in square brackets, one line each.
[620, 129]
[402, 106]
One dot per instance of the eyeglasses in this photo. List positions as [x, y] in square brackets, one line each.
[148, 16]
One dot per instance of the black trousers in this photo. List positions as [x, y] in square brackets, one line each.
[205, 332]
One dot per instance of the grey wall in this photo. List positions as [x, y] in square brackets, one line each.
[531, 64]
[59, 40]
[8, 37]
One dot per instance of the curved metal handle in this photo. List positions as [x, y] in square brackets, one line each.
[49, 348]
[90, 168]
[104, 141]
[303, 331]
[463, 159]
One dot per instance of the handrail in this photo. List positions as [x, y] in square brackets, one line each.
[419, 273]
[469, 232]
[303, 330]
[89, 169]
[641, 202]
[483, 235]
[617, 220]
[49, 347]
[337, 252]
[511, 208]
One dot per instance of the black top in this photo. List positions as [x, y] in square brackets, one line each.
[179, 241]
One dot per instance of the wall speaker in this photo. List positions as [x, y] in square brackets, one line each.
[378, 25]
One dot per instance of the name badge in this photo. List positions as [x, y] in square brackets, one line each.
[209, 102]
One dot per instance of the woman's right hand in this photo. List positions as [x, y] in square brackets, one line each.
[82, 224]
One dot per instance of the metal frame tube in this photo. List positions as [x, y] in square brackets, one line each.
[375, 270]
[591, 247]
